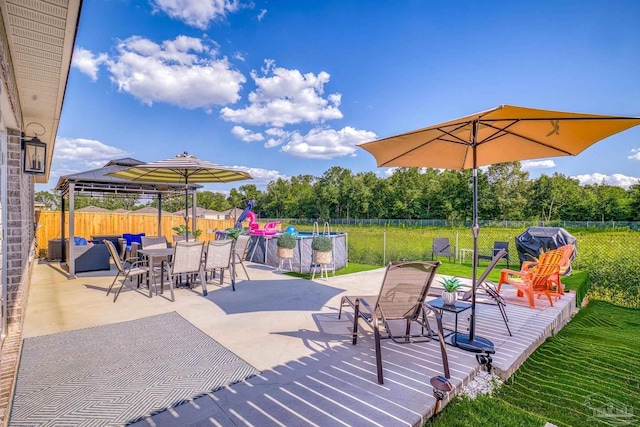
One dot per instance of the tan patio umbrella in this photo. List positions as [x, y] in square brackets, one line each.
[504, 134]
[184, 168]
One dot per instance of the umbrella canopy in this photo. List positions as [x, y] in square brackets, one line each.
[184, 168]
[503, 134]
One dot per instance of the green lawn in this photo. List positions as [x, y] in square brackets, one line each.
[578, 281]
[351, 268]
[587, 374]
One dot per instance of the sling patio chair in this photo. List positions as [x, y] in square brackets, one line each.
[401, 298]
[218, 258]
[497, 247]
[240, 253]
[441, 247]
[156, 242]
[488, 289]
[129, 271]
[187, 259]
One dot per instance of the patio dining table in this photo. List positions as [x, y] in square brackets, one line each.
[156, 253]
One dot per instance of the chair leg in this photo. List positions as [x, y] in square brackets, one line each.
[376, 333]
[113, 283]
[245, 271]
[171, 279]
[341, 305]
[356, 315]
[116, 293]
[504, 317]
[204, 282]
[529, 294]
[443, 349]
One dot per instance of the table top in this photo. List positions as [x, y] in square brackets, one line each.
[458, 307]
[157, 251]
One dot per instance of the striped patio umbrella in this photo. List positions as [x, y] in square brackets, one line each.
[503, 134]
[184, 168]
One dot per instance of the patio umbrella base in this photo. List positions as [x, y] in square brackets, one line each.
[475, 345]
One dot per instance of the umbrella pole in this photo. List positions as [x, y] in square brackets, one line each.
[186, 207]
[471, 342]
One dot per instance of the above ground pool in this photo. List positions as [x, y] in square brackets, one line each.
[302, 254]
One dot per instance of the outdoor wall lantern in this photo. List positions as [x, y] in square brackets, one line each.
[35, 155]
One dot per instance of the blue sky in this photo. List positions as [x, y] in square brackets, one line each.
[284, 88]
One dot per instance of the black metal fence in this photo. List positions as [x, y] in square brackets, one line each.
[600, 225]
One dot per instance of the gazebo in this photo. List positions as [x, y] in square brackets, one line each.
[96, 182]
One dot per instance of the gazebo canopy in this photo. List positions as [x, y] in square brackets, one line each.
[96, 181]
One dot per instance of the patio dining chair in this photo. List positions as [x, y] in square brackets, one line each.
[156, 242]
[240, 252]
[402, 300]
[187, 259]
[218, 258]
[135, 269]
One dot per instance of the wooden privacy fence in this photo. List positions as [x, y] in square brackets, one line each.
[101, 223]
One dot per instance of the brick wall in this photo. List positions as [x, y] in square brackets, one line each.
[20, 193]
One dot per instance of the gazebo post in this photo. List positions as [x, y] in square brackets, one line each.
[71, 259]
[159, 214]
[194, 220]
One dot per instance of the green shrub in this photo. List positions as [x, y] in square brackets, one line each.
[181, 230]
[286, 241]
[322, 244]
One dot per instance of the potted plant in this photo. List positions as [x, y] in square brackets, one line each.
[322, 249]
[234, 233]
[181, 230]
[286, 243]
[450, 285]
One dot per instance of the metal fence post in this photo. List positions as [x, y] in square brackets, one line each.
[384, 246]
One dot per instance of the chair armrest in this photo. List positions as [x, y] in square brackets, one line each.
[513, 272]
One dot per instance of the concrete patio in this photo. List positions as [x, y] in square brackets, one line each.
[288, 329]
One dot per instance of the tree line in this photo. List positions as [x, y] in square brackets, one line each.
[505, 192]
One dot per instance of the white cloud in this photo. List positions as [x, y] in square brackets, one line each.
[196, 13]
[616, 179]
[636, 155]
[261, 177]
[88, 63]
[261, 14]
[285, 97]
[326, 143]
[246, 135]
[390, 171]
[239, 56]
[185, 72]
[278, 137]
[538, 164]
[73, 155]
